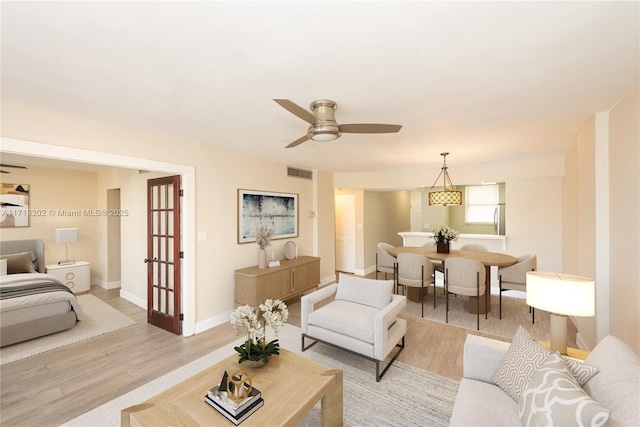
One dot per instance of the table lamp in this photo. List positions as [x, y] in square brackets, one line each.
[66, 236]
[561, 295]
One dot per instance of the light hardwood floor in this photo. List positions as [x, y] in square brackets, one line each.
[57, 386]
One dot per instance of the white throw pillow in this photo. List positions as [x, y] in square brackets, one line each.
[554, 398]
[374, 293]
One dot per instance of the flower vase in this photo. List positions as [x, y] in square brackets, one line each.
[442, 248]
[262, 258]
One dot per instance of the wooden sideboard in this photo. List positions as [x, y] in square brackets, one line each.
[290, 279]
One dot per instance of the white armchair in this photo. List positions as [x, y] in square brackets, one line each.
[361, 317]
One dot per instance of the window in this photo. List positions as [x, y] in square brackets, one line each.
[481, 202]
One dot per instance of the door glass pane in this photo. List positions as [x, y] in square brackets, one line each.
[170, 223]
[163, 196]
[163, 302]
[170, 196]
[156, 222]
[170, 296]
[163, 249]
[154, 198]
[163, 223]
[170, 251]
[163, 275]
[170, 276]
[155, 248]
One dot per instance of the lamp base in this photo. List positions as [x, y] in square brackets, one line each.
[558, 331]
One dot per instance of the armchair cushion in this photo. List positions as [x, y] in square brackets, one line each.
[346, 318]
[373, 293]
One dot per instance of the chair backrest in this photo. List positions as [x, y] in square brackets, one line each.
[517, 273]
[462, 275]
[474, 247]
[384, 258]
[411, 267]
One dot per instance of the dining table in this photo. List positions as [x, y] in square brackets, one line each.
[488, 259]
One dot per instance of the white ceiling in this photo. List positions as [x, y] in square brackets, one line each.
[485, 81]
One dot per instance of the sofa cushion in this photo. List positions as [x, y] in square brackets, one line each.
[347, 318]
[523, 358]
[617, 384]
[374, 293]
[554, 398]
[482, 404]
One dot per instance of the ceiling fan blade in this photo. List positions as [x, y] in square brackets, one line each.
[294, 108]
[298, 141]
[369, 128]
[2, 165]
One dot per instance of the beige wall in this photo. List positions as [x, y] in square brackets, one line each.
[218, 173]
[386, 213]
[64, 196]
[624, 197]
[601, 232]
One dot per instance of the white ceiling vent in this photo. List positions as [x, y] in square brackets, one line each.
[299, 173]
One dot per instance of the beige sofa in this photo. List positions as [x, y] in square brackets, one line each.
[481, 402]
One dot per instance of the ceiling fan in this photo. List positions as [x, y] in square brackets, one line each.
[323, 125]
[10, 166]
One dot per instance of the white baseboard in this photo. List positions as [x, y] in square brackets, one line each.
[107, 285]
[140, 302]
[212, 322]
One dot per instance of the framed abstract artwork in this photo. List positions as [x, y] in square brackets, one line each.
[273, 211]
[14, 209]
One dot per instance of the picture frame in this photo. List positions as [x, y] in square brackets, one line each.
[271, 210]
[14, 205]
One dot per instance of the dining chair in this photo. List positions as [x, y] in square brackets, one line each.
[465, 276]
[474, 247]
[514, 278]
[415, 271]
[385, 262]
[437, 264]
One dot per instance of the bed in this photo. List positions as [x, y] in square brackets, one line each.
[32, 303]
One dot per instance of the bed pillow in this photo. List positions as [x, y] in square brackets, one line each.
[554, 398]
[19, 263]
[3, 267]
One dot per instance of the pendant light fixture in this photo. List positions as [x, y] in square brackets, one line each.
[448, 195]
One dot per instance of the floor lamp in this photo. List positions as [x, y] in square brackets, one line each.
[561, 295]
[66, 236]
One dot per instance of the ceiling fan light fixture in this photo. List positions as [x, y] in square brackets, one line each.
[448, 195]
[324, 137]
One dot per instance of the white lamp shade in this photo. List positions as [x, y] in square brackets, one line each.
[561, 293]
[66, 235]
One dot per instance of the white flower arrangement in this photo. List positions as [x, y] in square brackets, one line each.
[263, 237]
[445, 234]
[244, 319]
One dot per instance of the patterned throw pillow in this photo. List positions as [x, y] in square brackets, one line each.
[554, 398]
[581, 372]
[523, 359]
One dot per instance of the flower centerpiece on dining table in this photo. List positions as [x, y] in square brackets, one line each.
[443, 235]
[245, 319]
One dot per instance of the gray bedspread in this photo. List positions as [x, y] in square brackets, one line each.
[32, 289]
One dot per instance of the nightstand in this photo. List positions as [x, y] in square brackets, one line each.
[76, 276]
[574, 353]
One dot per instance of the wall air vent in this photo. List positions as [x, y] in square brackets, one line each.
[299, 173]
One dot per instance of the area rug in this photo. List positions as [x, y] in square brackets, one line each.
[405, 396]
[514, 312]
[99, 318]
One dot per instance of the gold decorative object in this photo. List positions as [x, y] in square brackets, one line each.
[239, 386]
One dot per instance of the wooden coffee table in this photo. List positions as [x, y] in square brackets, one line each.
[290, 384]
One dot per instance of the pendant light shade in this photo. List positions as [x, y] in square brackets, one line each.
[448, 195]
